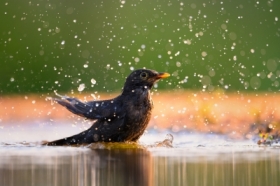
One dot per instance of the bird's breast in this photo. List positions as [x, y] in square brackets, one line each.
[139, 109]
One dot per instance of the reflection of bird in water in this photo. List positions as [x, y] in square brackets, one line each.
[131, 166]
[123, 118]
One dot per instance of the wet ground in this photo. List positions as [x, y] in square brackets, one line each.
[190, 159]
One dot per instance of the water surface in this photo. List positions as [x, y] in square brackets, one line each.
[195, 159]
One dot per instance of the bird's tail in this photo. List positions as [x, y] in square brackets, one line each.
[78, 139]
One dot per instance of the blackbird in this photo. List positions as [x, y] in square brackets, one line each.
[123, 118]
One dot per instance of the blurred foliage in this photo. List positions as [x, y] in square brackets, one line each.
[49, 45]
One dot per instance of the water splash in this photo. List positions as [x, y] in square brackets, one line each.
[167, 142]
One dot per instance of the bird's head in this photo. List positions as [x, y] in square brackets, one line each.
[143, 78]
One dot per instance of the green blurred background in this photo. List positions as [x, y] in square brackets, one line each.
[49, 45]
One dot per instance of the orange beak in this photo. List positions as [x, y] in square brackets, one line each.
[163, 75]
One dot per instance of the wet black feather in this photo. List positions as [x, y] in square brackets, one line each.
[120, 119]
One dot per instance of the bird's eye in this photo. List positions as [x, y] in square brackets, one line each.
[143, 75]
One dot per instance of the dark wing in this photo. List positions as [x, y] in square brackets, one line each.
[94, 109]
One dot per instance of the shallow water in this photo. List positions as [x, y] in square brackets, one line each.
[195, 159]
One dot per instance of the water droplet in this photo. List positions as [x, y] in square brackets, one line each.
[255, 82]
[95, 136]
[193, 6]
[263, 51]
[108, 66]
[69, 10]
[81, 87]
[204, 54]
[224, 26]
[93, 81]
[242, 53]
[211, 72]
[271, 65]
[85, 54]
[187, 41]
[206, 80]
[177, 53]
[57, 30]
[232, 36]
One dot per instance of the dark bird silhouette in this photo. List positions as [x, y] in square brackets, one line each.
[120, 119]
